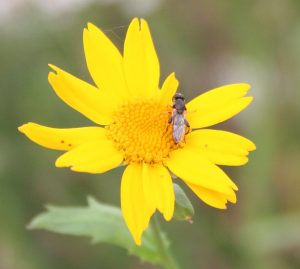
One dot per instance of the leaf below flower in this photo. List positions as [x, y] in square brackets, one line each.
[184, 209]
[103, 223]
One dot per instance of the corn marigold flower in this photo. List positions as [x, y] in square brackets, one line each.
[131, 113]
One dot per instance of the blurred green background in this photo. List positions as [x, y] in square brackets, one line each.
[207, 44]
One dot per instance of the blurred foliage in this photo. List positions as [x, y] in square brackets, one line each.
[207, 44]
[103, 223]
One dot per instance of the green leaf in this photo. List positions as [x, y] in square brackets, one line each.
[103, 223]
[184, 209]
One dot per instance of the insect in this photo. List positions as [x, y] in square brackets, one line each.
[177, 119]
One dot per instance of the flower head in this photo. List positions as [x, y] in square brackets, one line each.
[132, 114]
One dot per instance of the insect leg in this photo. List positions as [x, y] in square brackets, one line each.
[186, 123]
[188, 129]
[171, 119]
[169, 122]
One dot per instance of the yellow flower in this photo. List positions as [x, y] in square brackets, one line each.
[131, 112]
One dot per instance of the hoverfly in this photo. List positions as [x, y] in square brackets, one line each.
[177, 119]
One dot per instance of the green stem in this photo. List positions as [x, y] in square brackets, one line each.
[167, 258]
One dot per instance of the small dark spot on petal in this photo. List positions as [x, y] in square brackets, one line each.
[206, 146]
[62, 141]
[70, 145]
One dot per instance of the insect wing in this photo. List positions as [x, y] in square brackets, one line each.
[178, 128]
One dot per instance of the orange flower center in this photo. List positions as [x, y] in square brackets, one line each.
[142, 132]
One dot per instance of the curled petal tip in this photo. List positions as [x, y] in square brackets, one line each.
[92, 27]
[143, 23]
[137, 240]
[173, 75]
[51, 76]
[21, 128]
[254, 147]
[167, 218]
[246, 85]
[59, 163]
[53, 67]
[235, 187]
[135, 23]
[135, 19]
[168, 215]
[85, 32]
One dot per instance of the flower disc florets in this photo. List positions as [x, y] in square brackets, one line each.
[141, 131]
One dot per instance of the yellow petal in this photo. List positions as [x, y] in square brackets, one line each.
[158, 189]
[221, 147]
[213, 198]
[193, 167]
[217, 105]
[168, 89]
[82, 96]
[141, 64]
[91, 157]
[135, 210]
[104, 62]
[61, 139]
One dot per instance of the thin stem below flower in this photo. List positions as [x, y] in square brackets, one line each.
[167, 259]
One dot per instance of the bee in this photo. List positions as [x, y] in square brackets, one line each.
[177, 119]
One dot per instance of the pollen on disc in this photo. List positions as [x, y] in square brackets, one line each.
[141, 131]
